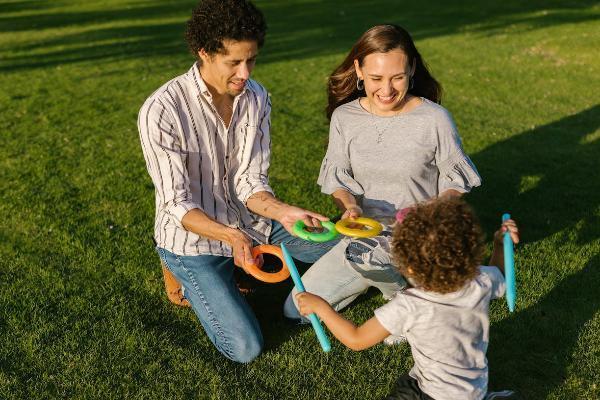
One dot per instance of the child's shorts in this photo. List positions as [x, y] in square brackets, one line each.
[407, 388]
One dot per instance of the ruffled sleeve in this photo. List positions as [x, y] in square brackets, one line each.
[336, 171]
[458, 173]
[456, 170]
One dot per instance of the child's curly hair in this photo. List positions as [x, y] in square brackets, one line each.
[213, 21]
[441, 242]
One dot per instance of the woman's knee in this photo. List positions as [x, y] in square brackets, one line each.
[290, 310]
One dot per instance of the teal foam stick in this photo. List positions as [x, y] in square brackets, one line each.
[509, 268]
[314, 320]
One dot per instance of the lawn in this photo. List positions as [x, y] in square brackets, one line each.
[83, 312]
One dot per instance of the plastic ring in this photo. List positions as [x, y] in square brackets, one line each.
[375, 227]
[329, 234]
[269, 277]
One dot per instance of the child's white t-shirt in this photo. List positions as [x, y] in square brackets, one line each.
[448, 334]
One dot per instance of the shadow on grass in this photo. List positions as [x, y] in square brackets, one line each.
[531, 350]
[547, 178]
[297, 30]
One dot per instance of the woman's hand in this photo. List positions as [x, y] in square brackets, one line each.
[352, 212]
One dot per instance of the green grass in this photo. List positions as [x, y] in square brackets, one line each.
[82, 308]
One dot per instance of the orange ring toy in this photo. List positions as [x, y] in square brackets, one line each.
[269, 277]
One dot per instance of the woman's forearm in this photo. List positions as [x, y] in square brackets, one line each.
[344, 199]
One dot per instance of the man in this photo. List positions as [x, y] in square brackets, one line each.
[206, 141]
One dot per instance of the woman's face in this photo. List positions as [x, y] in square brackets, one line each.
[387, 78]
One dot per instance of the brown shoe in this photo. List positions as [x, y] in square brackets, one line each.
[173, 288]
[244, 282]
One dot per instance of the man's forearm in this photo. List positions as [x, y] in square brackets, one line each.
[201, 224]
[265, 204]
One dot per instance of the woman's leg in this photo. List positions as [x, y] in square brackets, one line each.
[225, 315]
[332, 278]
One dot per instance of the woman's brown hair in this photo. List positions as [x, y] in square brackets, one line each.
[341, 87]
[439, 245]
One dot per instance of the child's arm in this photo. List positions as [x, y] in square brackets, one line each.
[497, 258]
[357, 338]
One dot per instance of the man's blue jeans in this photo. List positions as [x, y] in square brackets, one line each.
[223, 312]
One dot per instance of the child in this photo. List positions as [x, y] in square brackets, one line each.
[443, 314]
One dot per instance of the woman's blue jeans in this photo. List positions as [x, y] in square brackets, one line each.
[224, 313]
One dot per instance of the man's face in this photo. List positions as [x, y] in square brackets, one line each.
[227, 72]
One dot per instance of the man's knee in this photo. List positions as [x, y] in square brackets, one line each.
[246, 349]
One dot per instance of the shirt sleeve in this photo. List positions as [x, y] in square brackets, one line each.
[256, 177]
[165, 160]
[395, 315]
[456, 170]
[336, 171]
[497, 279]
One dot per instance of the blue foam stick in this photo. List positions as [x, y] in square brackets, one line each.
[509, 268]
[314, 320]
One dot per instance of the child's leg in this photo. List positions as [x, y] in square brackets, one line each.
[406, 388]
[332, 278]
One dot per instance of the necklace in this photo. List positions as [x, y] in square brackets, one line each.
[382, 129]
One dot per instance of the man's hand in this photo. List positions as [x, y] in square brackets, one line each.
[263, 203]
[242, 249]
[309, 303]
[290, 214]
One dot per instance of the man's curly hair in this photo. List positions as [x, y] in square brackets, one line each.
[441, 242]
[214, 21]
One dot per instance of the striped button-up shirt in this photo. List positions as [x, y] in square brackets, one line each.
[195, 161]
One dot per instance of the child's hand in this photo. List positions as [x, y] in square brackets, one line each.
[309, 303]
[510, 226]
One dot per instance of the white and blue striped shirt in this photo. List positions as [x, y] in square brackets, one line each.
[195, 161]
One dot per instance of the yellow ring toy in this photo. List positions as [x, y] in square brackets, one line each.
[374, 227]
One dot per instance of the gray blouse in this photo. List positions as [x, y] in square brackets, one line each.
[393, 162]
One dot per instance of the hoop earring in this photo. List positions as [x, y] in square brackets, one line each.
[360, 84]
[412, 83]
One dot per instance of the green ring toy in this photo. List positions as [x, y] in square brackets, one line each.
[329, 234]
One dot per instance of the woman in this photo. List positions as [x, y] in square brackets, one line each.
[391, 145]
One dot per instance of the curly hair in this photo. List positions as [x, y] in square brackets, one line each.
[214, 21]
[439, 245]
